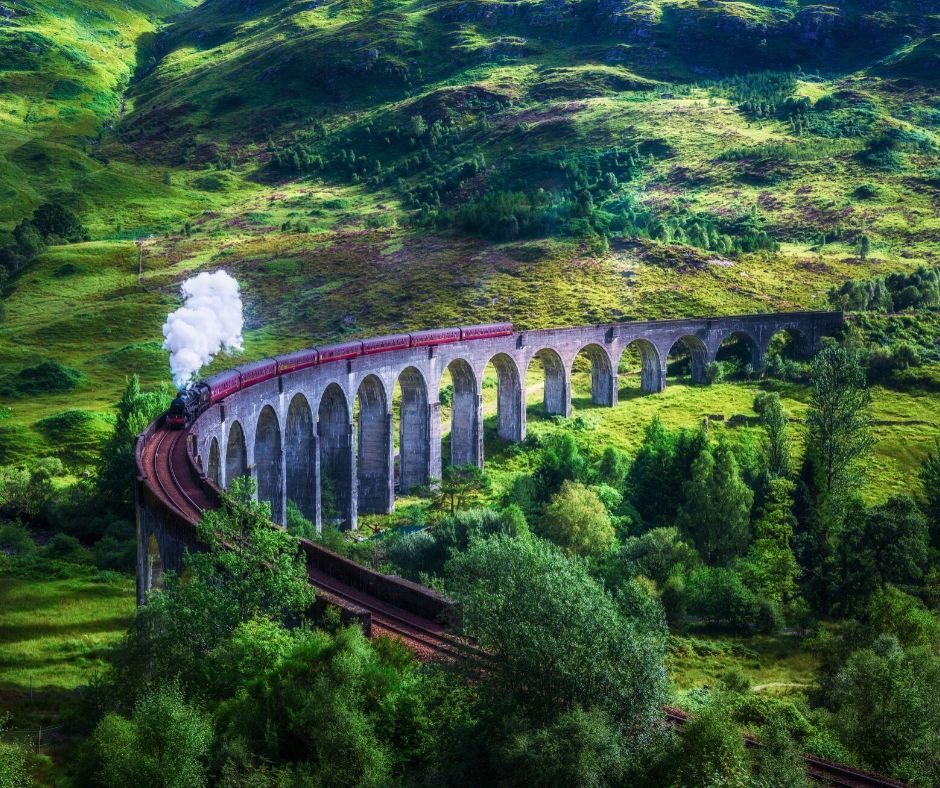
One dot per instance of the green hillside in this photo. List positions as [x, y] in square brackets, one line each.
[363, 166]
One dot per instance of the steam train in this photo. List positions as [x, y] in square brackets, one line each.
[192, 401]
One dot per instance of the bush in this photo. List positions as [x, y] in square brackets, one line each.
[165, 743]
[577, 520]
[718, 594]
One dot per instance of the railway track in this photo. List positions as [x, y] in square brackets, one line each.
[164, 459]
[819, 769]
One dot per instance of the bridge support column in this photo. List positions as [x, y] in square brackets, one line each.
[434, 441]
[351, 513]
[603, 387]
[654, 378]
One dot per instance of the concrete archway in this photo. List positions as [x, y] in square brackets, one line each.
[556, 399]
[236, 455]
[269, 461]
[741, 346]
[215, 462]
[154, 565]
[334, 435]
[652, 372]
[414, 431]
[374, 448]
[789, 342]
[694, 349]
[466, 430]
[603, 380]
[510, 402]
[300, 458]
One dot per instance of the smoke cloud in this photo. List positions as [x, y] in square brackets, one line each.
[210, 321]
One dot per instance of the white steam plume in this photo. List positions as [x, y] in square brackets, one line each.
[209, 321]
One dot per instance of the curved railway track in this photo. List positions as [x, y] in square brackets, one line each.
[165, 463]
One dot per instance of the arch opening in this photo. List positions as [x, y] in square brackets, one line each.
[739, 356]
[688, 358]
[461, 398]
[374, 447]
[154, 565]
[592, 378]
[786, 353]
[300, 458]
[236, 455]
[414, 430]
[556, 395]
[639, 363]
[215, 462]
[269, 463]
[502, 393]
[334, 436]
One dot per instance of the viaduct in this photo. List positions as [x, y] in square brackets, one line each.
[330, 427]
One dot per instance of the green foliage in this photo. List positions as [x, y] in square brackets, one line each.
[561, 461]
[249, 570]
[45, 377]
[711, 750]
[461, 487]
[556, 638]
[717, 507]
[115, 472]
[919, 289]
[14, 762]
[297, 524]
[886, 710]
[720, 595]
[778, 447]
[770, 568]
[165, 743]
[657, 554]
[26, 492]
[930, 492]
[778, 760]
[577, 520]
[339, 710]
[838, 436]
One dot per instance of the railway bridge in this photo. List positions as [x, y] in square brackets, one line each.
[329, 429]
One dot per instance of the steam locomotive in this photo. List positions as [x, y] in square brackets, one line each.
[192, 401]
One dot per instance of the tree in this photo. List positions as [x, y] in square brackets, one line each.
[717, 508]
[250, 569]
[838, 426]
[557, 640]
[460, 488]
[165, 743]
[657, 554]
[115, 473]
[886, 709]
[343, 710]
[930, 495]
[778, 762]
[577, 520]
[560, 461]
[711, 752]
[777, 443]
[770, 568]
[54, 221]
[897, 536]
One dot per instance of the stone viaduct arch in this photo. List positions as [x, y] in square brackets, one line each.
[323, 438]
[269, 463]
[414, 430]
[236, 455]
[302, 459]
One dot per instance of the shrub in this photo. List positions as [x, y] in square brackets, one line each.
[577, 520]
